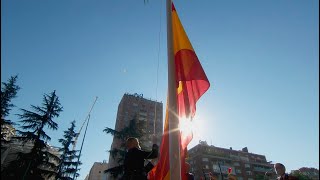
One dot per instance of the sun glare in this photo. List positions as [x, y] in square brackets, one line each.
[186, 125]
[196, 129]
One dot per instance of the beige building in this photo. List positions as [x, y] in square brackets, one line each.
[149, 116]
[97, 171]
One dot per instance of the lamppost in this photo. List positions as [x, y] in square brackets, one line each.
[204, 174]
[220, 170]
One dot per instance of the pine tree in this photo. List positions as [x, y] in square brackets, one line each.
[131, 130]
[68, 159]
[8, 92]
[40, 162]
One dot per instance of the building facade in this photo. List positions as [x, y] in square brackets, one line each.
[7, 131]
[97, 171]
[9, 153]
[149, 117]
[210, 161]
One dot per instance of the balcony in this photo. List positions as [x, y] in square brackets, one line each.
[260, 169]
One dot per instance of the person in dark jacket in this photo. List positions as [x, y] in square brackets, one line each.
[189, 175]
[134, 160]
[281, 172]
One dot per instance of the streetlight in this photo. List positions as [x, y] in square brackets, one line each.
[220, 170]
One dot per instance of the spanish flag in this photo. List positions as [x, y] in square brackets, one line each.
[191, 84]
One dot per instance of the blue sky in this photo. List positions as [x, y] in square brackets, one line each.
[261, 58]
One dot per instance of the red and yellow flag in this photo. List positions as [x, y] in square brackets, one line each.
[191, 84]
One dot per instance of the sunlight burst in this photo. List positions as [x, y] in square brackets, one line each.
[186, 125]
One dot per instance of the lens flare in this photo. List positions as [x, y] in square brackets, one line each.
[186, 125]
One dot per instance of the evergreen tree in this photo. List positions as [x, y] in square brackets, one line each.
[68, 159]
[39, 162]
[134, 129]
[301, 176]
[8, 92]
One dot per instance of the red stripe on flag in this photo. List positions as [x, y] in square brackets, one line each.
[194, 81]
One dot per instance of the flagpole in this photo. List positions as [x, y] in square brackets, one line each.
[84, 137]
[174, 132]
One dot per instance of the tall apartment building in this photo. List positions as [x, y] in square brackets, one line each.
[206, 160]
[147, 113]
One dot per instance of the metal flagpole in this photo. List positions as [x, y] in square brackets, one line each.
[84, 136]
[76, 138]
[174, 132]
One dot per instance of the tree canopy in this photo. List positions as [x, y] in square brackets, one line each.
[40, 161]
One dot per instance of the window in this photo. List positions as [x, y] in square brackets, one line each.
[215, 168]
[236, 164]
[205, 159]
[235, 157]
[244, 158]
[249, 173]
[238, 171]
[144, 114]
[142, 118]
[247, 165]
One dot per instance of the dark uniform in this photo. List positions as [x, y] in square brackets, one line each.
[287, 177]
[134, 163]
[190, 176]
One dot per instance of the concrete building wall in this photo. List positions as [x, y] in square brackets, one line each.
[97, 171]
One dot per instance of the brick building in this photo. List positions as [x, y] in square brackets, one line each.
[206, 160]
